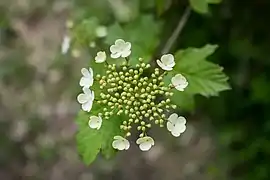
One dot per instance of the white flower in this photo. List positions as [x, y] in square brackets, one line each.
[100, 57]
[120, 49]
[87, 79]
[120, 143]
[65, 44]
[86, 99]
[176, 125]
[179, 82]
[145, 143]
[101, 31]
[95, 122]
[167, 62]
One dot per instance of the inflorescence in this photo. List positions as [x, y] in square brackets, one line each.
[138, 92]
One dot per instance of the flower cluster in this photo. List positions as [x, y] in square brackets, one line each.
[139, 92]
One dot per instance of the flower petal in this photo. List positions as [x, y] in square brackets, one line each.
[119, 42]
[164, 67]
[118, 144]
[182, 120]
[118, 137]
[85, 72]
[167, 59]
[127, 46]
[127, 145]
[126, 53]
[86, 82]
[115, 55]
[114, 48]
[100, 57]
[87, 91]
[175, 133]
[145, 146]
[140, 140]
[95, 122]
[87, 106]
[170, 126]
[173, 117]
[82, 98]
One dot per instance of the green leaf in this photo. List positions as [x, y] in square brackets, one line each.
[111, 128]
[162, 6]
[184, 101]
[90, 141]
[200, 6]
[204, 77]
[214, 1]
[191, 56]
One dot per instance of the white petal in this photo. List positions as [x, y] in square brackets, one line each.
[95, 122]
[176, 133]
[140, 140]
[126, 53]
[100, 57]
[182, 128]
[87, 91]
[167, 59]
[170, 126]
[182, 120]
[145, 143]
[87, 106]
[179, 82]
[85, 72]
[114, 49]
[115, 55]
[86, 82]
[173, 117]
[164, 67]
[118, 144]
[91, 72]
[145, 146]
[82, 98]
[119, 42]
[127, 145]
[118, 137]
[127, 46]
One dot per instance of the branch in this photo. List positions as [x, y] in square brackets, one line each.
[176, 32]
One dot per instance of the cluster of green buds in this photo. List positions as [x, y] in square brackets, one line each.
[139, 92]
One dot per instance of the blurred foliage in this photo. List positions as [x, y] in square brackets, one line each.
[240, 118]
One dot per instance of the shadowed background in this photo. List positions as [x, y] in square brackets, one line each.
[227, 136]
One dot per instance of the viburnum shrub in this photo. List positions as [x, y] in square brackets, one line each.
[139, 92]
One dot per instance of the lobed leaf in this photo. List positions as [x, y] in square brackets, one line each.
[205, 78]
